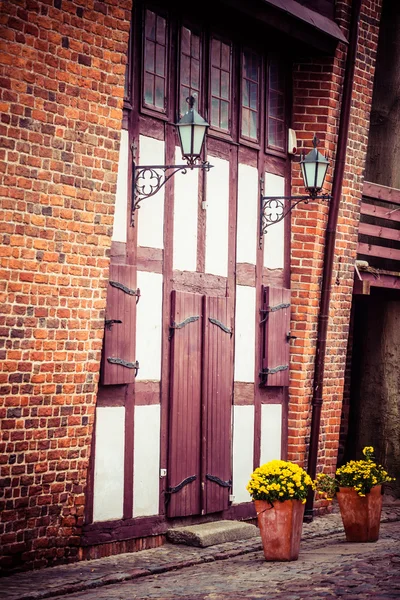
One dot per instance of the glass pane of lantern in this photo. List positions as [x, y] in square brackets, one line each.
[198, 137]
[309, 174]
[185, 137]
[322, 168]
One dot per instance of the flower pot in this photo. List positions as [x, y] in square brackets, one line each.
[361, 515]
[280, 527]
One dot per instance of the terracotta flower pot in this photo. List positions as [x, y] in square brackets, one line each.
[280, 528]
[361, 515]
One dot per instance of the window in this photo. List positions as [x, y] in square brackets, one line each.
[276, 106]
[155, 62]
[220, 77]
[250, 95]
[190, 63]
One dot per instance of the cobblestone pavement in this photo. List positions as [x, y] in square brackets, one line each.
[327, 568]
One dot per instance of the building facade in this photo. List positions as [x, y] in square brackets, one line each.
[211, 324]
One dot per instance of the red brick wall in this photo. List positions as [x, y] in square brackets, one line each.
[61, 90]
[317, 91]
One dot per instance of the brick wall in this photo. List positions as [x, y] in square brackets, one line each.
[61, 79]
[317, 91]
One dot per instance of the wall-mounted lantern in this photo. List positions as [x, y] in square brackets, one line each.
[313, 166]
[147, 180]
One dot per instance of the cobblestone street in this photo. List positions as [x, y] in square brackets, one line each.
[328, 568]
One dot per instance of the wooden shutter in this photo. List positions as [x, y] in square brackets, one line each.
[276, 328]
[184, 490]
[217, 405]
[118, 361]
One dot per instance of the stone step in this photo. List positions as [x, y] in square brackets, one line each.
[210, 534]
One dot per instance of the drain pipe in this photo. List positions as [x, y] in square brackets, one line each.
[329, 251]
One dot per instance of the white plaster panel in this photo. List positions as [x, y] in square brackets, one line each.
[245, 330]
[148, 326]
[271, 432]
[146, 467]
[108, 495]
[186, 202]
[243, 444]
[217, 217]
[247, 226]
[274, 239]
[121, 202]
[150, 216]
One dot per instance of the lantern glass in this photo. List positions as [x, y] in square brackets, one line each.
[192, 130]
[313, 169]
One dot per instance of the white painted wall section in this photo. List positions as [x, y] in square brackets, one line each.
[217, 217]
[150, 216]
[243, 443]
[245, 330]
[247, 226]
[185, 218]
[146, 468]
[108, 494]
[271, 432]
[121, 201]
[274, 239]
[148, 326]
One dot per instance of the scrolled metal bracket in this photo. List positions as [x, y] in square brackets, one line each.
[147, 180]
[275, 208]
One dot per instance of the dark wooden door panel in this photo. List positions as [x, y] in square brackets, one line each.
[276, 327]
[217, 405]
[184, 475]
[119, 335]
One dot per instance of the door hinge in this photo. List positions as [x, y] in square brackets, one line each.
[218, 481]
[181, 325]
[126, 290]
[124, 363]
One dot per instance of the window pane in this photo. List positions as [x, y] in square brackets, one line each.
[253, 134]
[245, 93]
[225, 85]
[253, 96]
[148, 89]
[189, 76]
[185, 40]
[216, 53]
[154, 61]
[245, 122]
[276, 105]
[150, 25]
[225, 57]
[161, 26]
[250, 94]
[215, 83]
[160, 92]
[224, 119]
[215, 112]
[160, 63]
[220, 84]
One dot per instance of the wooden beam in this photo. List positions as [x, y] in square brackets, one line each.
[378, 251]
[385, 233]
[382, 280]
[381, 192]
[382, 212]
[361, 287]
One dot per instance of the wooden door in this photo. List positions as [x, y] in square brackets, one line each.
[217, 403]
[184, 490]
[276, 336]
[199, 455]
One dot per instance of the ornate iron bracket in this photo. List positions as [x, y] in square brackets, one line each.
[147, 180]
[275, 208]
